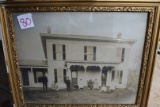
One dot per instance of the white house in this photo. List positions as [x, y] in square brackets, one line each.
[81, 58]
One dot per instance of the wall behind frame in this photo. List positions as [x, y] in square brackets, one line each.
[5, 92]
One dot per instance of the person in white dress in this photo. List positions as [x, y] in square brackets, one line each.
[95, 86]
[55, 86]
[81, 86]
[112, 86]
[103, 89]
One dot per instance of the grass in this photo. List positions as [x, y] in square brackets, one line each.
[81, 96]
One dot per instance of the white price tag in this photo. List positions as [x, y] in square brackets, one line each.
[25, 21]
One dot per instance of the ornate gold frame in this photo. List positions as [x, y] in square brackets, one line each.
[149, 51]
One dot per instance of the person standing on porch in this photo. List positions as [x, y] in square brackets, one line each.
[95, 86]
[45, 82]
[68, 82]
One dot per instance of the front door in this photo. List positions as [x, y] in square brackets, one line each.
[104, 78]
[105, 72]
[74, 77]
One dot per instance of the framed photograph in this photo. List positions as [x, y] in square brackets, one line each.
[67, 53]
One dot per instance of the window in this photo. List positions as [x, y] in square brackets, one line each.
[85, 52]
[119, 52]
[54, 51]
[94, 53]
[123, 53]
[113, 74]
[59, 52]
[90, 53]
[120, 79]
[55, 75]
[64, 74]
[64, 52]
[60, 75]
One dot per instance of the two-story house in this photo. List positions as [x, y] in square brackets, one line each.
[81, 58]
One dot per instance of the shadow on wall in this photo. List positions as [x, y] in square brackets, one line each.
[5, 93]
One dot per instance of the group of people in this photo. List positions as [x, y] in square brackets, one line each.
[91, 84]
[94, 85]
[55, 85]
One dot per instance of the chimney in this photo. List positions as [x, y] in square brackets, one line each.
[49, 30]
[119, 35]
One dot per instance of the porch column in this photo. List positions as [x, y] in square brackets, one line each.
[68, 71]
[109, 77]
[31, 78]
[85, 76]
[116, 76]
[100, 81]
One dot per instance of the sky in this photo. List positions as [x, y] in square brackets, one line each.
[132, 25]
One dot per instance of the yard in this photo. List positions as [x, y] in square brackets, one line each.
[81, 96]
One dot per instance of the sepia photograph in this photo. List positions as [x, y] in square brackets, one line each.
[80, 57]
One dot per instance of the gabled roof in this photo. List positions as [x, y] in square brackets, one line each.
[45, 36]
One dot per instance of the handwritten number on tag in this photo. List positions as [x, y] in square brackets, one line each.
[25, 22]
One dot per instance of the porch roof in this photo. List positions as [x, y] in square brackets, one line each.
[39, 63]
[90, 65]
[92, 62]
